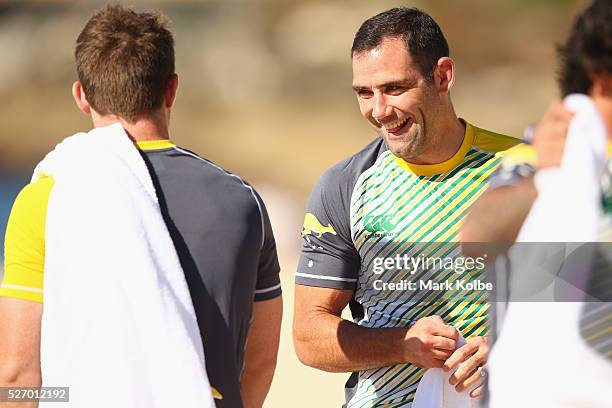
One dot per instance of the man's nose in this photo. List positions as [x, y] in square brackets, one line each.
[381, 108]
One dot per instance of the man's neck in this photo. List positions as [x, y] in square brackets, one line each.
[446, 140]
[144, 128]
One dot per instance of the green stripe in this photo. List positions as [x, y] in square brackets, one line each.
[419, 200]
[451, 203]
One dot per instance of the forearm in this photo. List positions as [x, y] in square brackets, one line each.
[19, 346]
[333, 344]
[261, 351]
[256, 382]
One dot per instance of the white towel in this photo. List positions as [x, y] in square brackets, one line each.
[569, 195]
[539, 359]
[118, 325]
[434, 390]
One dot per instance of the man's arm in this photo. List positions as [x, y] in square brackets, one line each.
[261, 351]
[19, 346]
[497, 216]
[326, 341]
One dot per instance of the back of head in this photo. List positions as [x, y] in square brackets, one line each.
[423, 37]
[124, 60]
[588, 50]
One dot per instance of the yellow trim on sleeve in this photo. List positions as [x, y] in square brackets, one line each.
[155, 144]
[34, 295]
[519, 154]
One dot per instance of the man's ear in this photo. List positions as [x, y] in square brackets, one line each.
[80, 99]
[171, 89]
[444, 74]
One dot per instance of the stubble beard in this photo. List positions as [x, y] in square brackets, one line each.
[411, 146]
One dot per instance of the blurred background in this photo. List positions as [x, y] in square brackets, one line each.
[265, 92]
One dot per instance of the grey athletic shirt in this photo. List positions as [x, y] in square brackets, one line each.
[224, 241]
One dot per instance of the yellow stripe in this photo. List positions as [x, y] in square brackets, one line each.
[455, 227]
[435, 208]
[19, 275]
[21, 294]
[375, 192]
[458, 211]
[445, 166]
[494, 142]
[420, 199]
[520, 154]
[596, 322]
[154, 144]
[398, 204]
[215, 393]
[599, 334]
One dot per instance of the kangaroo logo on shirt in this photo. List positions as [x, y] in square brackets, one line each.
[313, 226]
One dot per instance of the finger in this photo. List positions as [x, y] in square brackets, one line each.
[477, 392]
[472, 380]
[461, 354]
[567, 116]
[467, 368]
[444, 343]
[557, 110]
[447, 331]
[441, 354]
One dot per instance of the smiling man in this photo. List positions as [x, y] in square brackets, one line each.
[414, 183]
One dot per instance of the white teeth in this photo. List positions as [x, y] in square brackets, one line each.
[395, 124]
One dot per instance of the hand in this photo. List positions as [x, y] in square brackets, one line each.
[468, 358]
[550, 135]
[430, 342]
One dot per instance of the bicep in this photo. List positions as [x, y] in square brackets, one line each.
[20, 340]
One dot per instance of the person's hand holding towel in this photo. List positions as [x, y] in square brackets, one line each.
[430, 342]
[468, 361]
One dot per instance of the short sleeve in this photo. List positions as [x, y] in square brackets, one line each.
[510, 174]
[328, 257]
[268, 284]
[516, 164]
[24, 245]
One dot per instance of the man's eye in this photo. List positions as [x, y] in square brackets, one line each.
[395, 90]
[364, 94]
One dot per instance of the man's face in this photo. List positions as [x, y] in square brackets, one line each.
[395, 98]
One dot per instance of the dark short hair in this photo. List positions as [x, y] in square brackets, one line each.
[588, 49]
[423, 37]
[124, 60]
